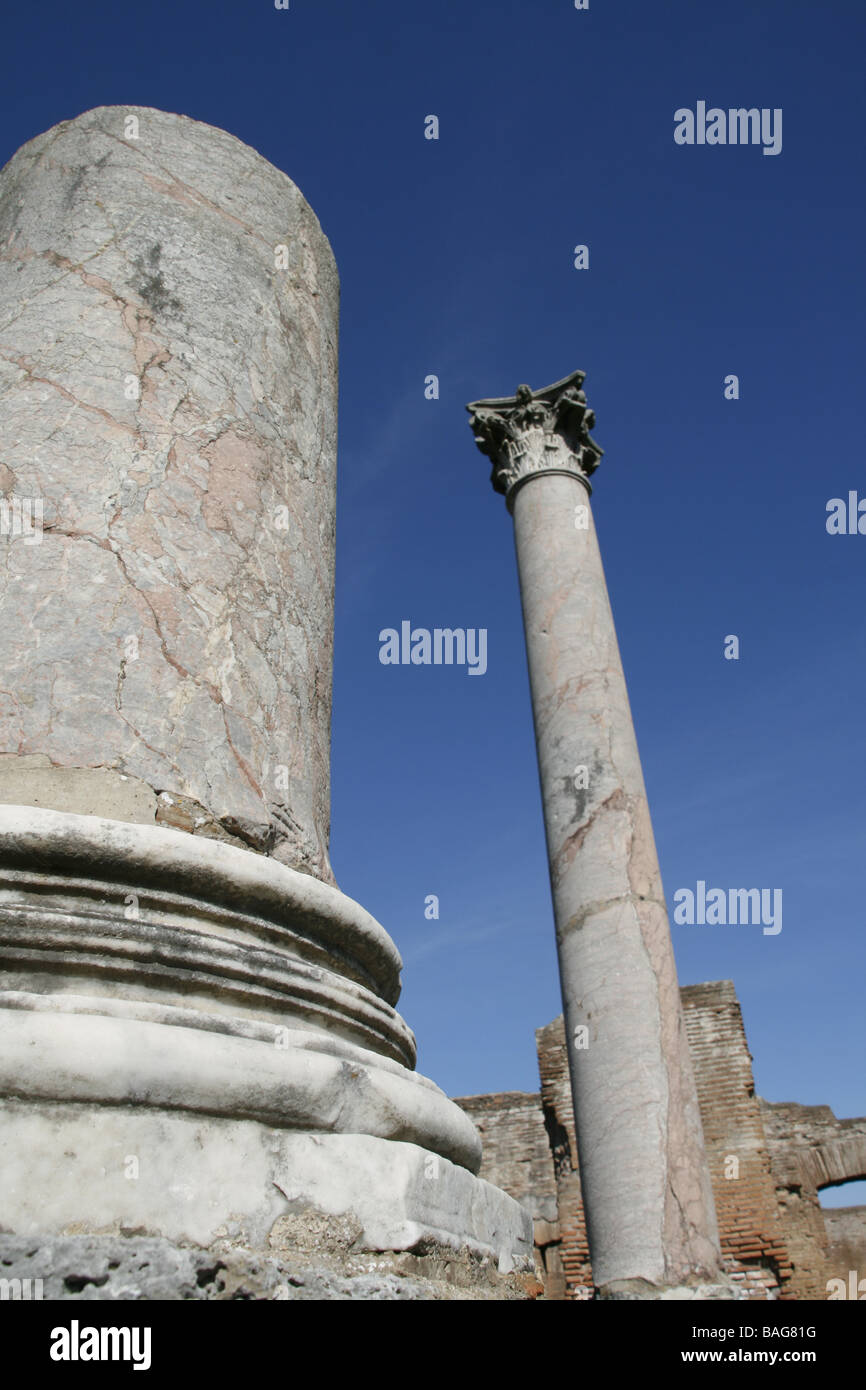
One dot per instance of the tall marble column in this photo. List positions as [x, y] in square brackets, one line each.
[650, 1213]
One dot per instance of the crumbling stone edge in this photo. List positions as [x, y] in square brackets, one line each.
[311, 1257]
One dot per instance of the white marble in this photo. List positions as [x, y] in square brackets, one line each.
[143, 962]
[196, 1178]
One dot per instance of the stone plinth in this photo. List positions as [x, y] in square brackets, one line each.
[196, 1040]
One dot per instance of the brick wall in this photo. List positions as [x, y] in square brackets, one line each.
[767, 1163]
[750, 1224]
[515, 1152]
[558, 1114]
[810, 1149]
[846, 1246]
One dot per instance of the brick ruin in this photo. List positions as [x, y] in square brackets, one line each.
[768, 1163]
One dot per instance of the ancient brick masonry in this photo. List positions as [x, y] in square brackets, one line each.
[559, 1122]
[846, 1241]
[767, 1164]
[810, 1149]
[749, 1221]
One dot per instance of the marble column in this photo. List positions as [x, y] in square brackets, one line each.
[646, 1188]
[168, 374]
[198, 1031]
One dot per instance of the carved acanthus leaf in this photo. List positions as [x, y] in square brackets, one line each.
[536, 432]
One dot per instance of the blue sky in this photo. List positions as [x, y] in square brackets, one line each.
[456, 258]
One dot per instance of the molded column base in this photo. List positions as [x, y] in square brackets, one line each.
[197, 1180]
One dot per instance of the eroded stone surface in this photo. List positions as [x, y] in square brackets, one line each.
[168, 398]
[311, 1260]
[97, 1168]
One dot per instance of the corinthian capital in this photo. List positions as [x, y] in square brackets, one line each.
[531, 432]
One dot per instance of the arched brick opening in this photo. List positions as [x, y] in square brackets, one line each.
[835, 1161]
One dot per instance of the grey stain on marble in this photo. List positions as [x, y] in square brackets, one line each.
[151, 283]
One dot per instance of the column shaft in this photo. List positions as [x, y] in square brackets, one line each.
[643, 1172]
[168, 371]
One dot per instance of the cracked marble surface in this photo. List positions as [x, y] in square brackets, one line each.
[170, 396]
[643, 1170]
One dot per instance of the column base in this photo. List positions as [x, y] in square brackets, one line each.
[198, 1180]
[632, 1289]
[197, 1044]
